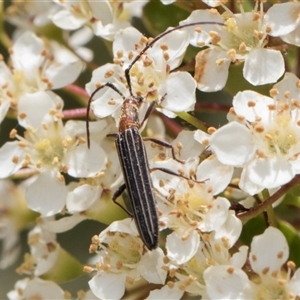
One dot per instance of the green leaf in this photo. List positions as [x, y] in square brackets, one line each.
[253, 227]
[292, 200]
[65, 268]
[293, 240]
[293, 196]
[158, 17]
[289, 209]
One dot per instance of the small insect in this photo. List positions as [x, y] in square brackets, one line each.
[133, 156]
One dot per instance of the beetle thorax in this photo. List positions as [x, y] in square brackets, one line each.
[129, 114]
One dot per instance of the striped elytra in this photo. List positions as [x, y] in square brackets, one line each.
[134, 163]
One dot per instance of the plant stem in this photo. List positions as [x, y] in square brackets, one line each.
[193, 121]
[264, 206]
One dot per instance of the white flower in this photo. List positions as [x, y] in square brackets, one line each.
[28, 15]
[51, 149]
[203, 228]
[122, 260]
[242, 39]
[284, 21]
[35, 288]
[36, 68]
[188, 208]
[44, 250]
[74, 14]
[264, 138]
[270, 282]
[103, 17]
[41, 68]
[218, 174]
[212, 251]
[17, 293]
[150, 76]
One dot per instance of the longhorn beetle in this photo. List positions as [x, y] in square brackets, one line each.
[133, 156]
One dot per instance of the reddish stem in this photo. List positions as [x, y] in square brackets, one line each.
[77, 90]
[200, 106]
[74, 113]
[256, 210]
[171, 125]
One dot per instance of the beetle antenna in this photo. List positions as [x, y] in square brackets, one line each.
[112, 86]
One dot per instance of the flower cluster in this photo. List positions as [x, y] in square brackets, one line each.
[211, 185]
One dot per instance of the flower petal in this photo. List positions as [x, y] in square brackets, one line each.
[66, 69]
[42, 102]
[258, 108]
[211, 69]
[233, 144]
[102, 10]
[166, 292]
[177, 42]
[270, 173]
[27, 52]
[66, 20]
[219, 175]
[216, 216]
[262, 261]
[238, 259]
[150, 266]
[42, 289]
[247, 185]
[182, 250]
[226, 282]
[288, 87]
[82, 197]
[46, 195]
[11, 157]
[293, 285]
[293, 37]
[263, 66]
[179, 91]
[108, 285]
[84, 162]
[231, 228]
[63, 224]
[206, 15]
[283, 18]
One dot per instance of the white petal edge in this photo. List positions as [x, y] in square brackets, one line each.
[211, 69]
[46, 195]
[84, 162]
[108, 285]
[179, 89]
[182, 250]
[263, 66]
[224, 284]
[233, 144]
[282, 18]
[218, 174]
[277, 254]
[270, 173]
